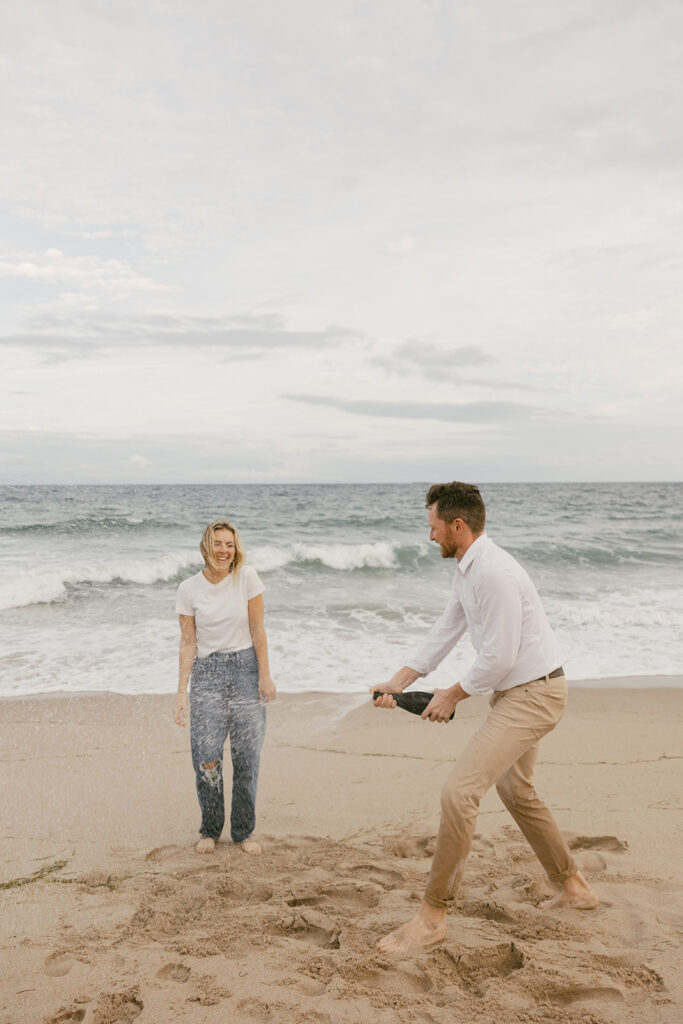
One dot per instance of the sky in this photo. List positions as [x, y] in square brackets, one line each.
[341, 241]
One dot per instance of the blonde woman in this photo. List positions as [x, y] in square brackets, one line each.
[223, 649]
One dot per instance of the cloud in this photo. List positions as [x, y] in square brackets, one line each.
[448, 412]
[54, 268]
[434, 362]
[440, 363]
[491, 181]
[59, 457]
[250, 335]
[507, 385]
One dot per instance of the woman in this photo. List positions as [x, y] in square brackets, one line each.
[223, 647]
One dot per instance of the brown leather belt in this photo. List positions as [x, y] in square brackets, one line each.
[551, 675]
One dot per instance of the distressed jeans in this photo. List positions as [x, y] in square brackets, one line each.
[224, 701]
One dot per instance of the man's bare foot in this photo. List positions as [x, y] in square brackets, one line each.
[576, 894]
[426, 929]
[205, 845]
[251, 847]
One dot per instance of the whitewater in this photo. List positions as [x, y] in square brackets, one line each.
[88, 578]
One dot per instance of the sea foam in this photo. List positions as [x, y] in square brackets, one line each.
[341, 557]
[21, 590]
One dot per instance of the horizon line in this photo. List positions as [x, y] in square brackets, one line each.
[320, 483]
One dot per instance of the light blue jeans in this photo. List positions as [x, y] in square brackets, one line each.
[224, 701]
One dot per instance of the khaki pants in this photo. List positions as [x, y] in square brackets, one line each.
[503, 751]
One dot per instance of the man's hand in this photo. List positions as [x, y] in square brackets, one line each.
[442, 705]
[397, 684]
[383, 695]
[180, 709]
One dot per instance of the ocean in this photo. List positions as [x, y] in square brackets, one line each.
[88, 578]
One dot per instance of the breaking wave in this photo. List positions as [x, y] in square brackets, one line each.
[44, 588]
[339, 557]
[593, 556]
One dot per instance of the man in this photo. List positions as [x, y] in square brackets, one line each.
[518, 667]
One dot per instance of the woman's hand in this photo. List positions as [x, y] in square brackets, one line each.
[266, 689]
[180, 709]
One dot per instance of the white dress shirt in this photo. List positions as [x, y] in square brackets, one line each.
[494, 598]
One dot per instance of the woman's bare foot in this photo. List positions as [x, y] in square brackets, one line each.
[251, 847]
[426, 929]
[576, 894]
[205, 845]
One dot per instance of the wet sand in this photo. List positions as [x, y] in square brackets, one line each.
[107, 914]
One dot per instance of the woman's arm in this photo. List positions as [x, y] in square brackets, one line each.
[188, 651]
[266, 686]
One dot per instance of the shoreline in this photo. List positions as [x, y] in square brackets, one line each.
[106, 909]
[666, 681]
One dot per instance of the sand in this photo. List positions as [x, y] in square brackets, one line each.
[107, 914]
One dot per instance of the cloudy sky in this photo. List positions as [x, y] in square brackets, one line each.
[305, 241]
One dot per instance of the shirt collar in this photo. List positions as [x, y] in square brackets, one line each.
[473, 550]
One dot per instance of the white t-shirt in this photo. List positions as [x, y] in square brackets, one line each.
[220, 610]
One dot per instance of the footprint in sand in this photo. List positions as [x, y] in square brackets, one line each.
[590, 860]
[161, 853]
[256, 892]
[412, 848]
[632, 925]
[174, 972]
[304, 901]
[255, 1010]
[577, 994]
[98, 878]
[310, 926]
[119, 1007]
[476, 965]
[68, 1016]
[385, 877]
[352, 895]
[299, 849]
[626, 969]
[609, 843]
[337, 895]
[241, 893]
[395, 983]
[488, 910]
[307, 986]
[58, 964]
[207, 991]
[481, 845]
[299, 843]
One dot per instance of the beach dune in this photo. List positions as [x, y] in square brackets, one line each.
[107, 914]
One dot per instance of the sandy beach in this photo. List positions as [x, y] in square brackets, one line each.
[107, 914]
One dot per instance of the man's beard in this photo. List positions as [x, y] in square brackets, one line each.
[447, 552]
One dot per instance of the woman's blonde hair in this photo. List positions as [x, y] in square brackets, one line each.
[207, 549]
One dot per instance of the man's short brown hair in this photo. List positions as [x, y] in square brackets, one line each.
[458, 501]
